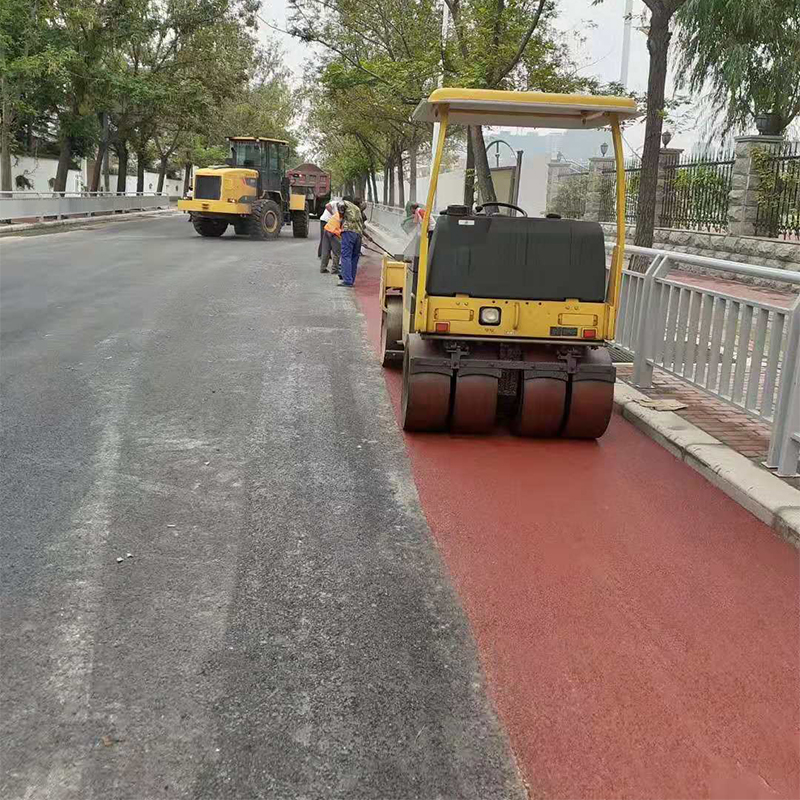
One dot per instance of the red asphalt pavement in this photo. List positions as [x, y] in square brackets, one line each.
[639, 630]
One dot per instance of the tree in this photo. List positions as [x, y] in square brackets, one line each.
[31, 54]
[757, 71]
[658, 39]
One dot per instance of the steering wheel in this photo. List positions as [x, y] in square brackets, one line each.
[504, 205]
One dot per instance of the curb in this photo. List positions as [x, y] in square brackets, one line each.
[24, 227]
[765, 496]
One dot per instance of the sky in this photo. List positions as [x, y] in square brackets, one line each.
[600, 55]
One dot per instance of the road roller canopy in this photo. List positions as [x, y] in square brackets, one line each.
[525, 109]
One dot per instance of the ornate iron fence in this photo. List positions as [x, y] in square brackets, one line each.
[696, 192]
[608, 192]
[778, 213]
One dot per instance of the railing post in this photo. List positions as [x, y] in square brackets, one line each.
[648, 316]
[784, 443]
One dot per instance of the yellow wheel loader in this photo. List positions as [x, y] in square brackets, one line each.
[507, 315]
[250, 191]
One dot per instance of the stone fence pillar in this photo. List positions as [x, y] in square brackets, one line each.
[555, 169]
[597, 167]
[743, 197]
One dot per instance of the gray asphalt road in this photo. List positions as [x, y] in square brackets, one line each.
[284, 627]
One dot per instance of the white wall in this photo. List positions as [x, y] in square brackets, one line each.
[40, 170]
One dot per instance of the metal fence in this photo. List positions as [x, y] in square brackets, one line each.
[38, 205]
[778, 214]
[696, 193]
[737, 349]
[608, 192]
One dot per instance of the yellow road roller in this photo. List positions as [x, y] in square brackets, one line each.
[504, 315]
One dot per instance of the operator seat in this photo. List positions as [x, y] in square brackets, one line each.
[518, 258]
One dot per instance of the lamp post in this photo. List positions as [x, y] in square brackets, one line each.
[514, 189]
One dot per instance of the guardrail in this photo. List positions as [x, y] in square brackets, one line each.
[734, 348]
[30, 204]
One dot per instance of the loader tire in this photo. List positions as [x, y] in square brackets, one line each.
[265, 220]
[300, 224]
[207, 226]
[242, 227]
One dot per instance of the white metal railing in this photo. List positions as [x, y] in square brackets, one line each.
[31, 204]
[735, 348]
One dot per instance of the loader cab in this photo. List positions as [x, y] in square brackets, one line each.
[266, 156]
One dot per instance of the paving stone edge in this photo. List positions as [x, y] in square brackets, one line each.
[764, 495]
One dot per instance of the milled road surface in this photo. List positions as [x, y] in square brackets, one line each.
[284, 627]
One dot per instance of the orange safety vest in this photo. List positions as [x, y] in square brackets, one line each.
[334, 225]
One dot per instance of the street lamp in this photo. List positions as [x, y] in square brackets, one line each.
[604, 149]
[666, 137]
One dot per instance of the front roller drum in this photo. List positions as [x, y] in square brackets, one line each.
[592, 397]
[392, 332]
[426, 397]
[474, 403]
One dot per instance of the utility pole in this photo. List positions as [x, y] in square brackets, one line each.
[626, 43]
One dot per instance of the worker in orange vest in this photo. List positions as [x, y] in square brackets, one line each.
[331, 244]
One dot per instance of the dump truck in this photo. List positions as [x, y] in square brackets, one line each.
[504, 315]
[314, 183]
[250, 192]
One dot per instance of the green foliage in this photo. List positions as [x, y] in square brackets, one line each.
[774, 187]
[748, 52]
[570, 196]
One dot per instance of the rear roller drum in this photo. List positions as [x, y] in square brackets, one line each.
[474, 404]
[592, 396]
[426, 400]
[590, 409]
[541, 407]
[392, 332]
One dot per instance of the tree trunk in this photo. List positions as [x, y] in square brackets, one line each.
[369, 189]
[64, 157]
[122, 162]
[469, 172]
[374, 185]
[401, 184]
[187, 177]
[412, 172]
[658, 45]
[97, 167]
[140, 165]
[390, 171]
[386, 184]
[101, 157]
[107, 170]
[162, 173]
[482, 171]
[5, 140]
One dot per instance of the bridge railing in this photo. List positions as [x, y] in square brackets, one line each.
[30, 204]
[729, 345]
